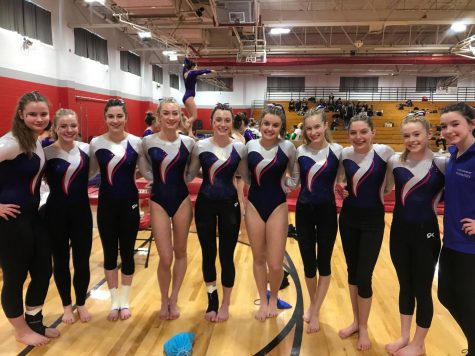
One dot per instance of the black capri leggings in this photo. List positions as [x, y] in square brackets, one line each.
[226, 214]
[414, 251]
[118, 223]
[362, 232]
[316, 227]
[457, 290]
[24, 247]
[70, 226]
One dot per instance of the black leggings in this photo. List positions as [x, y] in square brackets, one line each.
[118, 223]
[24, 247]
[73, 225]
[316, 225]
[457, 290]
[414, 251]
[362, 233]
[226, 214]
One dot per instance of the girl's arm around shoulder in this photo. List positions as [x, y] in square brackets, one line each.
[93, 164]
[144, 163]
[194, 165]
[441, 162]
[291, 153]
[389, 180]
[242, 168]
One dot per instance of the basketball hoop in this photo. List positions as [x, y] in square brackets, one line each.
[465, 48]
[251, 57]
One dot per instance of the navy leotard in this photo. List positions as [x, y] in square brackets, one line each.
[167, 165]
[317, 171]
[219, 164]
[67, 174]
[365, 176]
[190, 80]
[419, 186]
[267, 169]
[20, 175]
[117, 162]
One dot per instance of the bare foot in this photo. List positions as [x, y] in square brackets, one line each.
[31, 338]
[210, 316]
[68, 316]
[396, 345]
[223, 313]
[261, 314]
[84, 314]
[363, 340]
[307, 315]
[124, 313]
[272, 310]
[313, 324]
[174, 311]
[113, 315]
[411, 349]
[164, 313]
[51, 333]
[348, 331]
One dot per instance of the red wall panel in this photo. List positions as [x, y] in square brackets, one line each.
[89, 107]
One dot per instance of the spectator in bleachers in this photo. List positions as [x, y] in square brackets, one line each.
[291, 105]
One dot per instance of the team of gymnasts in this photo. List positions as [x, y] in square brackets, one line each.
[272, 167]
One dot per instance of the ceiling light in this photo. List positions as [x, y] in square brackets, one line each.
[144, 35]
[169, 53]
[279, 31]
[458, 27]
[173, 57]
[102, 2]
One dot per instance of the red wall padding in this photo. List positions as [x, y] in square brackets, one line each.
[89, 107]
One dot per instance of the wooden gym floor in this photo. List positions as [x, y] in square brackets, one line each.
[145, 334]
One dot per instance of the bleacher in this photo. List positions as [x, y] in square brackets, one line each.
[384, 135]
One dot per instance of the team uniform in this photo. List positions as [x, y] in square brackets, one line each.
[117, 210]
[315, 214]
[147, 132]
[362, 215]
[457, 260]
[68, 218]
[414, 239]
[24, 244]
[268, 182]
[166, 165]
[218, 205]
[191, 79]
[248, 135]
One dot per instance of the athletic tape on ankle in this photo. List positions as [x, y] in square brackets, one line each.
[124, 297]
[115, 302]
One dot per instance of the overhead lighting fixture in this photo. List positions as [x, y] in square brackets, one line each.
[169, 53]
[173, 57]
[143, 35]
[458, 27]
[279, 31]
[102, 2]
